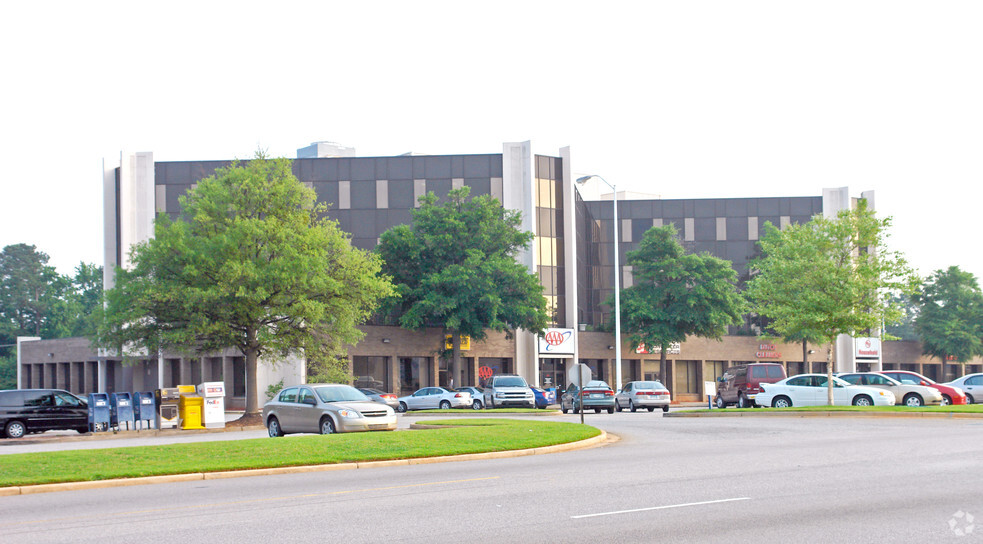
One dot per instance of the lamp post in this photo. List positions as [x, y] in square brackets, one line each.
[617, 282]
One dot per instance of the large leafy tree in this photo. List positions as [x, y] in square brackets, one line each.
[950, 319]
[34, 298]
[676, 294]
[455, 267]
[86, 299]
[828, 277]
[250, 264]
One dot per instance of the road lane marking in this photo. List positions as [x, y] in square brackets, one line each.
[253, 501]
[659, 508]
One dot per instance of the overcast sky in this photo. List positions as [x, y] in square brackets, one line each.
[683, 99]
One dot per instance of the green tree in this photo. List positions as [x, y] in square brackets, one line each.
[676, 294]
[86, 299]
[8, 372]
[904, 329]
[34, 298]
[950, 318]
[455, 267]
[828, 277]
[250, 264]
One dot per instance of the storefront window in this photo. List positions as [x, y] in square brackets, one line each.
[414, 373]
[372, 372]
[491, 366]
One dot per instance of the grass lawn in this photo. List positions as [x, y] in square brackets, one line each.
[957, 409]
[460, 437]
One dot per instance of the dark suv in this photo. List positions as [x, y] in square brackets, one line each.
[25, 411]
[740, 384]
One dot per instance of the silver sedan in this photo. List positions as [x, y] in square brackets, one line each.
[325, 408]
[429, 398]
[643, 394]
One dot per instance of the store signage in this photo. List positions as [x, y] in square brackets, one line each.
[868, 348]
[556, 343]
[465, 342]
[675, 348]
[767, 351]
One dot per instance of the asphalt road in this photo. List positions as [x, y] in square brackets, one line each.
[790, 480]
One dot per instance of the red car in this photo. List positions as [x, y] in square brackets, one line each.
[950, 395]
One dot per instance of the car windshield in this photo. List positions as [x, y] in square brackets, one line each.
[340, 393]
[510, 381]
[596, 384]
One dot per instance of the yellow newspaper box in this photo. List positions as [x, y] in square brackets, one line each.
[190, 408]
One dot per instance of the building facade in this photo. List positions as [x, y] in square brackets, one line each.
[572, 253]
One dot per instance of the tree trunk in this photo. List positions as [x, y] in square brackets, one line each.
[456, 361]
[663, 369]
[943, 377]
[252, 364]
[829, 375]
[805, 357]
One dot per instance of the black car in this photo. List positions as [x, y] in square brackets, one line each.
[25, 411]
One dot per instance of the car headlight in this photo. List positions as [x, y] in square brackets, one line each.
[349, 413]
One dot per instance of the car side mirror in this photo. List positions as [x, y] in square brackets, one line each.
[310, 402]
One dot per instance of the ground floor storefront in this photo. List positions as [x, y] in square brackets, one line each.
[396, 360]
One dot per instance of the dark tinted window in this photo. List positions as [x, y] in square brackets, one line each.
[11, 398]
[64, 399]
[803, 380]
[975, 380]
[37, 398]
[759, 372]
[289, 395]
[852, 378]
[775, 372]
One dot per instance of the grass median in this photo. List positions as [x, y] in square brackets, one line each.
[460, 437]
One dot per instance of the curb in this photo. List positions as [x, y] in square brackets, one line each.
[149, 480]
[109, 435]
[824, 413]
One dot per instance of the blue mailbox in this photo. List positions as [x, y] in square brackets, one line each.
[121, 410]
[98, 412]
[144, 408]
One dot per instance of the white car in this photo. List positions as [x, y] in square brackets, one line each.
[434, 397]
[972, 385]
[811, 390]
[648, 394]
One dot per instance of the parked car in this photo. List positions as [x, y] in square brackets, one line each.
[647, 394]
[541, 400]
[502, 390]
[325, 408]
[950, 395]
[907, 394]
[429, 398]
[381, 397]
[739, 385]
[476, 395]
[972, 384]
[811, 390]
[24, 411]
[597, 396]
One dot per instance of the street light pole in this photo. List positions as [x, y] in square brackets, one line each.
[617, 282]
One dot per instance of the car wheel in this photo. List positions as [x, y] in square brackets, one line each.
[617, 405]
[631, 405]
[563, 408]
[664, 408]
[327, 425]
[273, 426]
[15, 429]
[741, 401]
[719, 401]
[862, 400]
[476, 405]
[946, 400]
[970, 399]
[913, 400]
[445, 405]
[597, 410]
[781, 402]
[401, 408]
[81, 430]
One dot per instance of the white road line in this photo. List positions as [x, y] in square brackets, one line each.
[659, 508]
